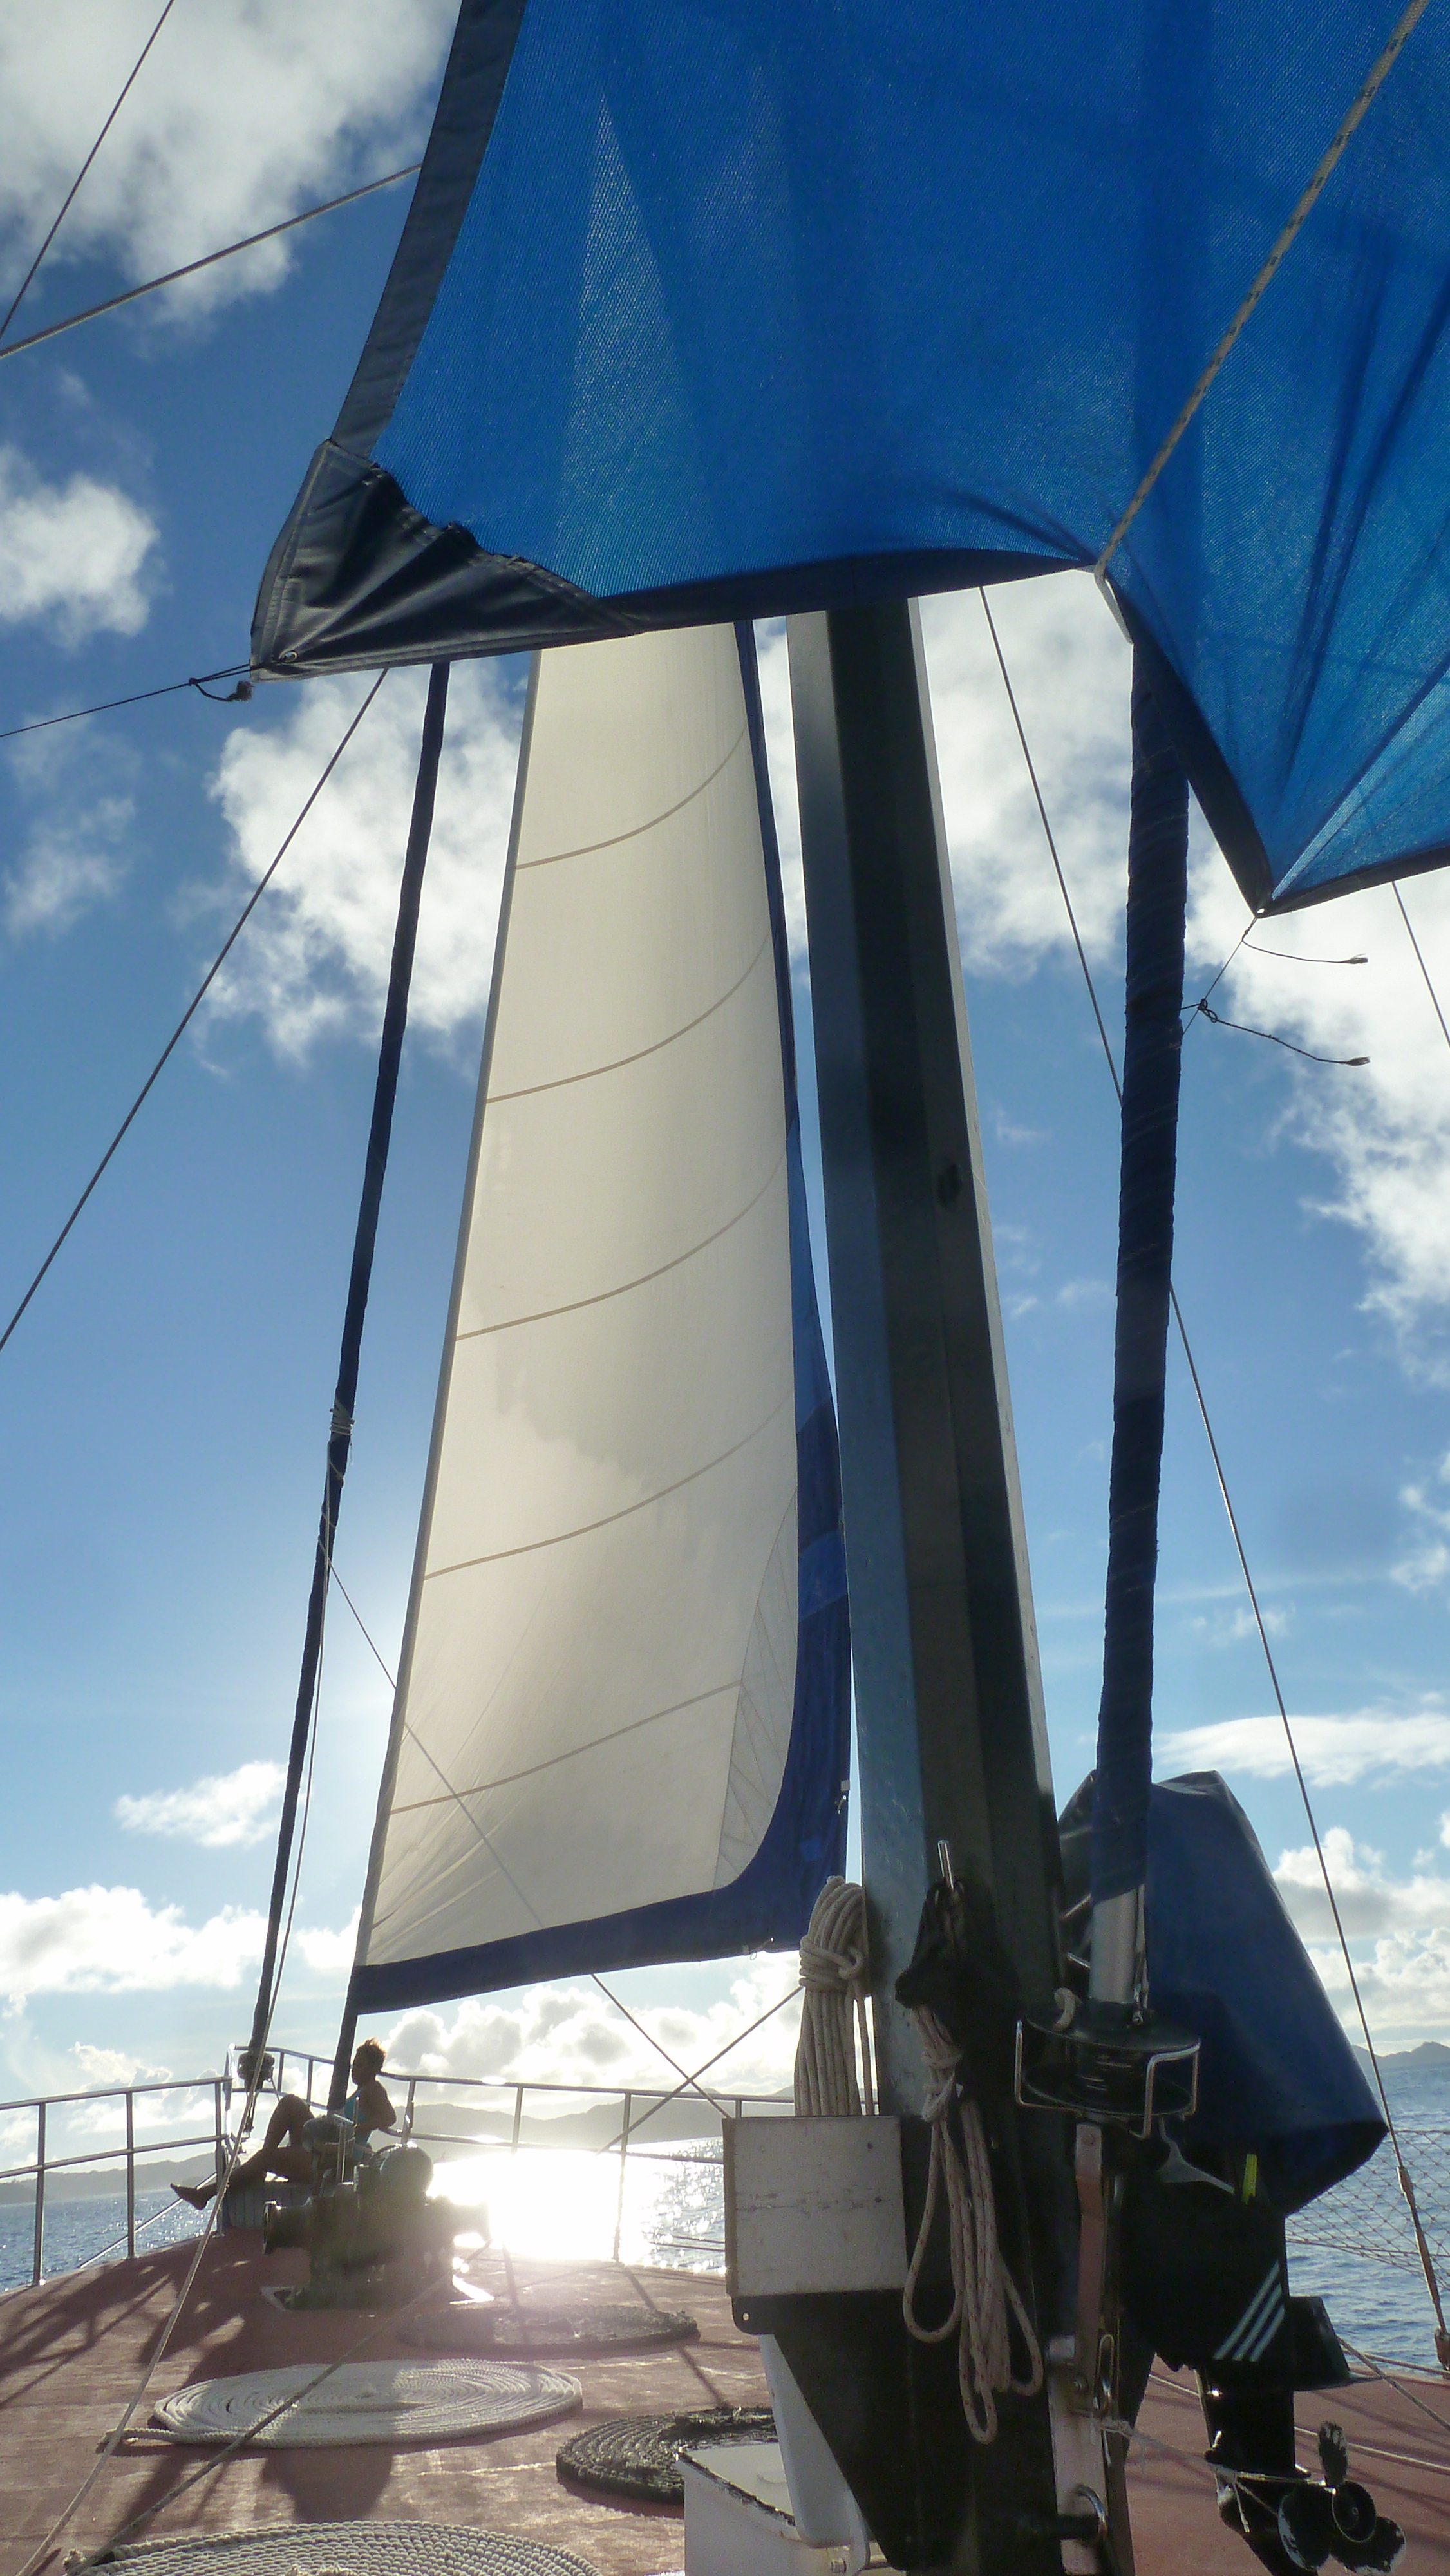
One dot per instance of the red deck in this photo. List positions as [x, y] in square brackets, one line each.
[71, 2351]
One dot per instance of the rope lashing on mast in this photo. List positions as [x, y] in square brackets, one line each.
[833, 2010]
[983, 2289]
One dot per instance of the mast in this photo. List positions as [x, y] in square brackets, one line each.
[951, 1731]
[950, 1724]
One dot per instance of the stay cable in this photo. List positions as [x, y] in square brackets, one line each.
[1406, 2184]
[69, 199]
[193, 1006]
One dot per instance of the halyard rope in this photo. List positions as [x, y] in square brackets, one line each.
[833, 1977]
[1374, 82]
[982, 2286]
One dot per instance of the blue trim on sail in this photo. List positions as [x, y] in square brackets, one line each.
[769, 1905]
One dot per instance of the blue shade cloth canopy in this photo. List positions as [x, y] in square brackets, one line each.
[710, 308]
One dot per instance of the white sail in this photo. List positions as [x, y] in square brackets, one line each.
[599, 1675]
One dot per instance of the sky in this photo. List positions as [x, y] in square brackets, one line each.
[164, 1402]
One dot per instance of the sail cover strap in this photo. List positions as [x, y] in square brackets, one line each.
[1152, 1051]
[621, 1727]
[339, 1440]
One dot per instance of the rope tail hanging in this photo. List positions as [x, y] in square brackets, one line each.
[833, 1976]
[983, 2289]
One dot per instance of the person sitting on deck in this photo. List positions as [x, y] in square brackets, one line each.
[287, 2151]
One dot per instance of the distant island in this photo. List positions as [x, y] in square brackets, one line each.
[1430, 2055]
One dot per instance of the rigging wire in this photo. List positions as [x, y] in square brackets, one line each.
[689, 2083]
[1291, 956]
[791, 1995]
[269, 232]
[1196, 1009]
[20, 293]
[1233, 952]
[1420, 962]
[208, 979]
[234, 670]
[1398, 2385]
[103, 2555]
[388, 1677]
[1442, 2340]
[117, 2435]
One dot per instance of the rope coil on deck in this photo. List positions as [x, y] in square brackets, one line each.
[639, 2455]
[379, 2401]
[833, 1979]
[982, 2286]
[358, 2548]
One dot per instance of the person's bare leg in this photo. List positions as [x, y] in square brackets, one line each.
[281, 2152]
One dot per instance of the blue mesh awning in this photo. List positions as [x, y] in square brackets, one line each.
[710, 308]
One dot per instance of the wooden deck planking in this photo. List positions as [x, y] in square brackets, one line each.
[71, 2351]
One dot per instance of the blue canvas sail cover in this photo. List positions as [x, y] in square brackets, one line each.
[1277, 2077]
[621, 1729]
[708, 308]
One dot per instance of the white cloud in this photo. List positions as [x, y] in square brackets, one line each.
[1370, 1905]
[103, 2067]
[69, 864]
[1426, 1566]
[238, 117]
[1072, 674]
[314, 959]
[229, 1808]
[569, 2034]
[72, 554]
[110, 1940]
[1405, 1977]
[329, 1954]
[1363, 1744]
[1382, 1128]
[1231, 1627]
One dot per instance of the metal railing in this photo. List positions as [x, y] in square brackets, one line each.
[424, 2098]
[39, 2167]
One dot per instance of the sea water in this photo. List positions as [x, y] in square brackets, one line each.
[1355, 2246]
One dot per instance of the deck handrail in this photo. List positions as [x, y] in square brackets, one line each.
[636, 2102]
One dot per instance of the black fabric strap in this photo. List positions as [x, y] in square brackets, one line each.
[395, 1020]
[1152, 1051]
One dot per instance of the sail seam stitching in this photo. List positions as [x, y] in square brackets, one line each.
[617, 1064]
[607, 1520]
[587, 849]
[546, 1314]
[510, 1779]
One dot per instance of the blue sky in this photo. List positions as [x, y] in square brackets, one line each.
[165, 1401]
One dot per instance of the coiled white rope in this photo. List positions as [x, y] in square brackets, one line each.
[833, 1974]
[982, 2287]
